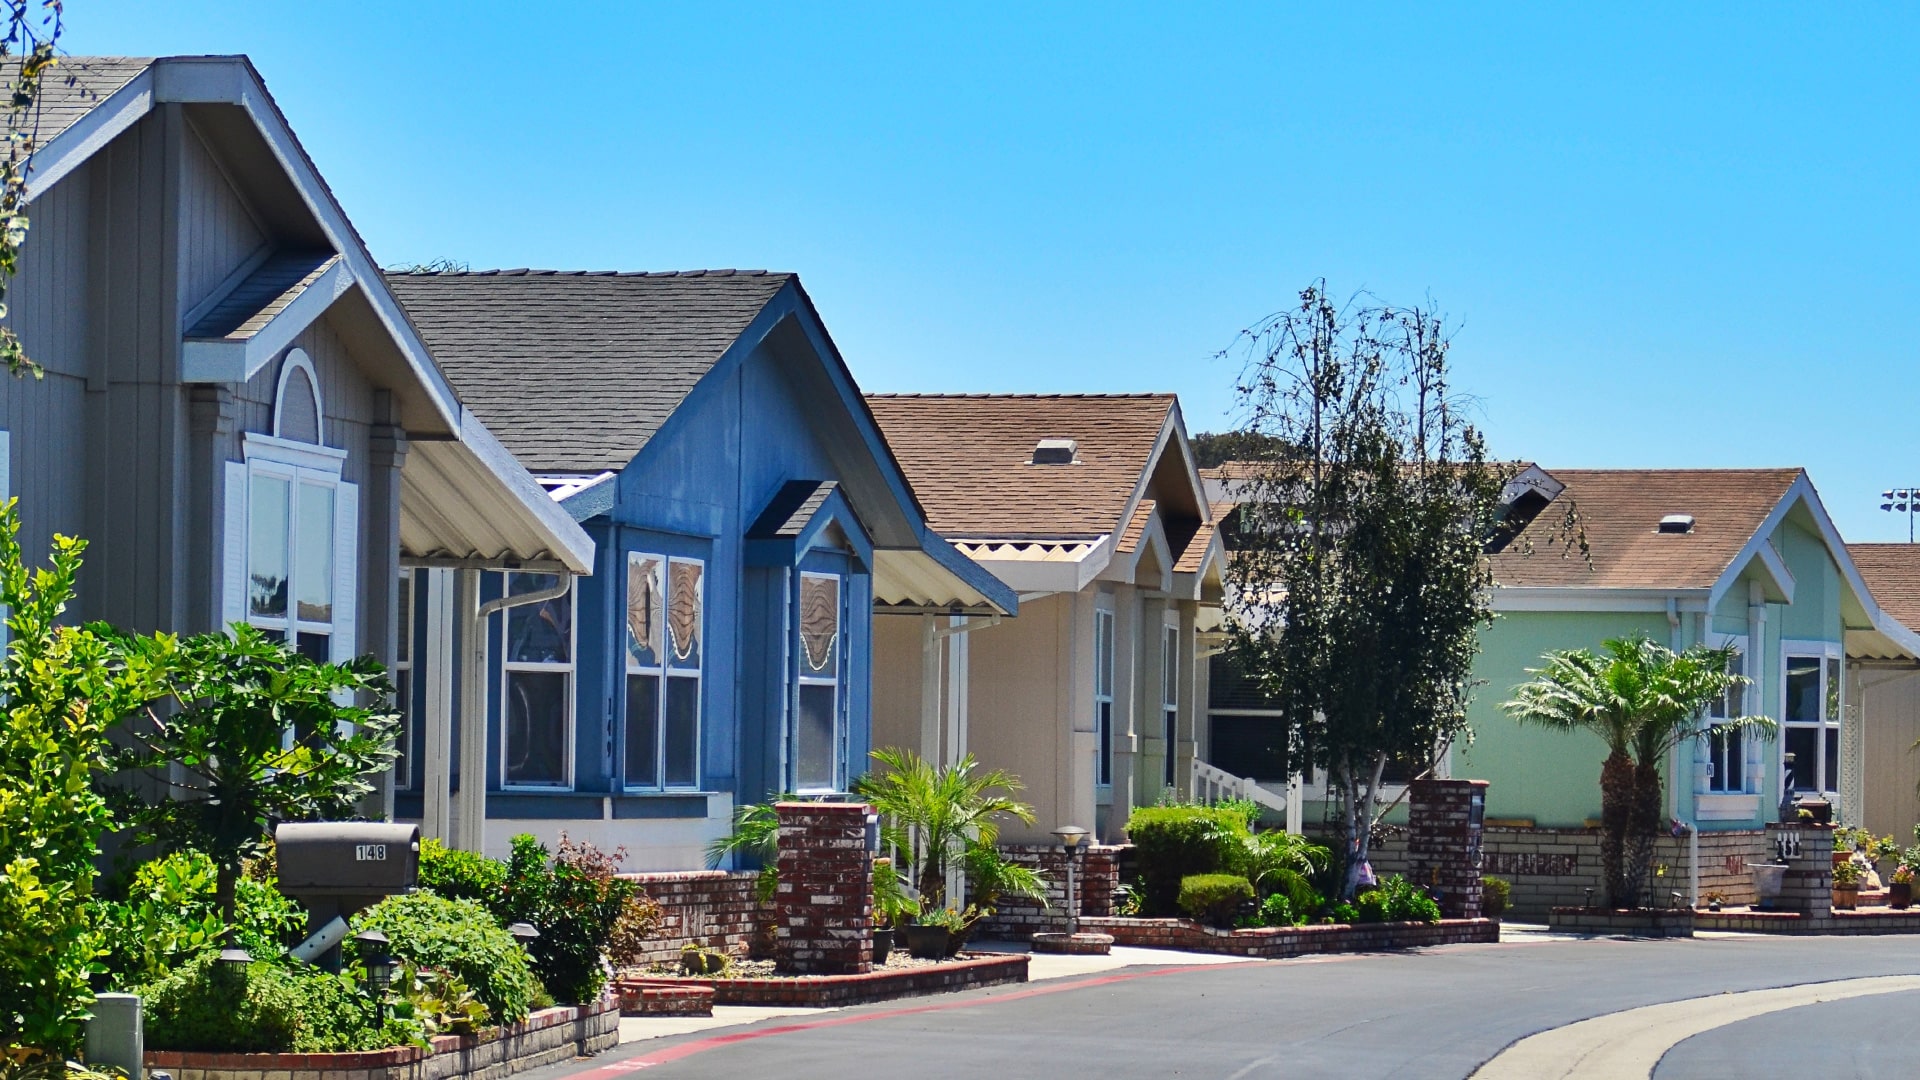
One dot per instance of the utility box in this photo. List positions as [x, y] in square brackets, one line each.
[347, 858]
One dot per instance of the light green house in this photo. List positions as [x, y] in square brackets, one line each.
[1746, 557]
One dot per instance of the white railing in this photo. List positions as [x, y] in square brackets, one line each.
[1211, 784]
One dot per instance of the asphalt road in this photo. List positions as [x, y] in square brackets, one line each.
[1437, 1013]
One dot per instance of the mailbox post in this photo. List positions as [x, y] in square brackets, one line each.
[336, 868]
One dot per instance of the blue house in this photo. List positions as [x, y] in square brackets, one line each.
[750, 524]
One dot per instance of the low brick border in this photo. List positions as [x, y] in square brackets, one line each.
[1081, 944]
[648, 997]
[820, 991]
[1838, 923]
[1279, 942]
[1630, 922]
[546, 1037]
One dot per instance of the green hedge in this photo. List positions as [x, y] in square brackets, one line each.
[1495, 895]
[262, 1008]
[461, 937]
[1174, 842]
[1395, 899]
[1214, 899]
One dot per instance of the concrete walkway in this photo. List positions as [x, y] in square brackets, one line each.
[1042, 966]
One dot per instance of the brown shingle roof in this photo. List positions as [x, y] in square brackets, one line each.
[1892, 574]
[1136, 528]
[1620, 509]
[967, 458]
[75, 86]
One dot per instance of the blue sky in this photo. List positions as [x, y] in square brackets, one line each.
[1670, 238]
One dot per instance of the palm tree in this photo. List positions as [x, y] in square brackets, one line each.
[756, 835]
[940, 815]
[1642, 699]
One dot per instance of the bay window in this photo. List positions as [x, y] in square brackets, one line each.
[818, 729]
[665, 648]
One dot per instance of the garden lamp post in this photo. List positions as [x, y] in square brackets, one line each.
[524, 933]
[1074, 839]
[379, 961]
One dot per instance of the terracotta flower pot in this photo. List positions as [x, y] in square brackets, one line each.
[1846, 897]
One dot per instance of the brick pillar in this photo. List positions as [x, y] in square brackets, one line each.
[1807, 886]
[1443, 842]
[824, 905]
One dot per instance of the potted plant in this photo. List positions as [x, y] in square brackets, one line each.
[1900, 889]
[939, 933]
[893, 907]
[1846, 885]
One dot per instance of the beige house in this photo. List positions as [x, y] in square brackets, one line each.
[1888, 693]
[1091, 509]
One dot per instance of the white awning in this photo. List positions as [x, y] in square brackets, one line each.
[466, 502]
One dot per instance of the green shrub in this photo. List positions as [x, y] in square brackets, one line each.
[462, 875]
[1175, 842]
[1214, 899]
[460, 937]
[1275, 910]
[262, 1008]
[1395, 899]
[169, 917]
[576, 902]
[1341, 912]
[1302, 899]
[1495, 893]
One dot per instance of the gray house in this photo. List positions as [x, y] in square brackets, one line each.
[236, 412]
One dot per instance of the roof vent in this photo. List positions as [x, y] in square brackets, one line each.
[1054, 452]
[1677, 523]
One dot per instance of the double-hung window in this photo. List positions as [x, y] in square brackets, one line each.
[1103, 697]
[1810, 721]
[536, 713]
[664, 654]
[1727, 746]
[819, 731]
[1170, 693]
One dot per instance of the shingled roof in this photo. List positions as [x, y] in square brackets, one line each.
[1620, 511]
[574, 372]
[74, 87]
[1892, 574]
[968, 457]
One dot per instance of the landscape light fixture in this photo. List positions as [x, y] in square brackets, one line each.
[234, 959]
[379, 961]
[1904, 500]
[524, 933]
[1074, 839]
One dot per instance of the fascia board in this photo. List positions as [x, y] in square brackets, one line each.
[71, 148]
[231, 81]
[562, 534]
[1894, 630]
[219, 360]
[1801, 488]
[993, 587]
[1589, 598]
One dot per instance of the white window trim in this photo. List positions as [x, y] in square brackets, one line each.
[840, 734]
[570, 669]
[1749, 758]
[297, 360]
[1824, 651]
[1103, 739]
[664, 670]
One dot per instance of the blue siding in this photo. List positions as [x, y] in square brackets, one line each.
[693, 491]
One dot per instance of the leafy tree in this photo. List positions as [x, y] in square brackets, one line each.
[1642, 699]
[63, 689]
[948, 817]
[249, 733]
[1213, 449]
[26, 51]
[1360, 579]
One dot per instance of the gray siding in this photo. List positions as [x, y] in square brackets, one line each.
[218, 231]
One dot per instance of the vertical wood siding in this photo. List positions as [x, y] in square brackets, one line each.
[218, 231]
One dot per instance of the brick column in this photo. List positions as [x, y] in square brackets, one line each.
[824, 905]
[1807, 886]
[1443, 842]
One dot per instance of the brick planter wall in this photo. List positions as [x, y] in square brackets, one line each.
[1807, 886]
[1643, 923]
[1284, 941]
[1094, 879]
[824, 906]
[711, 908]
[1443, 842]
[965, 973]
[640, 997]
[546, 1037]
[1552, 868]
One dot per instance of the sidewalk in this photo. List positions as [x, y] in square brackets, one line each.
[1043, 966]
